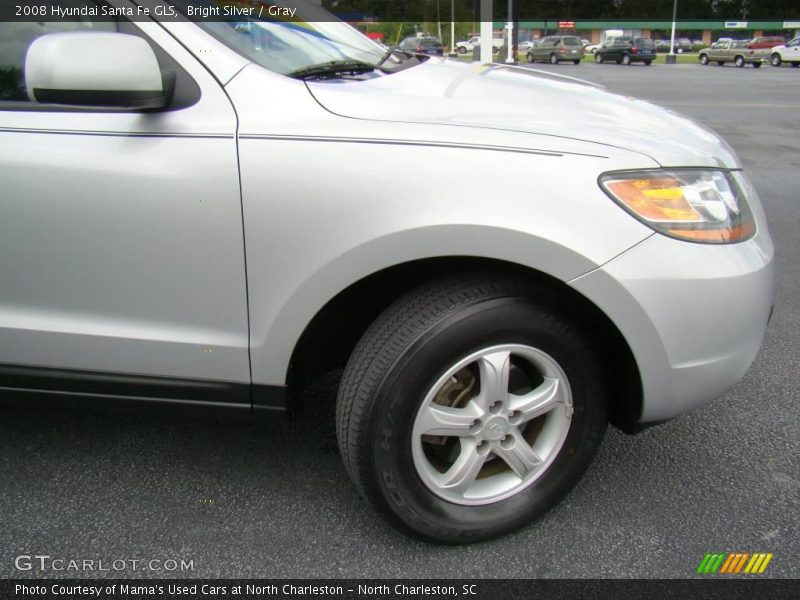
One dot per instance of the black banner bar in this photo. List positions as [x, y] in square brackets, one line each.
[733, 588]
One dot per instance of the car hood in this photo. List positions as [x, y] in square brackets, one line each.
[499, 97]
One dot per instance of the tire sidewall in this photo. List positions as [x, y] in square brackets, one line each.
[396, 484]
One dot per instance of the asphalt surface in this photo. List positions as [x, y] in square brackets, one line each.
[241, 500]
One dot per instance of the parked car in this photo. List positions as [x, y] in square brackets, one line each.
[592, 48]
[170, 234]
[736, 52]
[681, 45]
[557, 48]
[526, 46]
[627, 50]
[761, 47]
[422, 45]
[475, 42]
[789, 53]
[766, 42]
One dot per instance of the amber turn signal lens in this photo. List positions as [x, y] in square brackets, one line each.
[707, 206]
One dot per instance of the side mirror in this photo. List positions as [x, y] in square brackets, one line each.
[98, 69]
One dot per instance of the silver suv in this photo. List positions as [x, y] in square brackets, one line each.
[212, 214]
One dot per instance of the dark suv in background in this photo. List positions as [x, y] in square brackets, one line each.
[627, 50]
[557, 48]
[422, 45]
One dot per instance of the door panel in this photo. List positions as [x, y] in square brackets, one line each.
[121, 245]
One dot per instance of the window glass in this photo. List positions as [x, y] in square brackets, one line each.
[572, 41]
[429, 43]
[310, 39]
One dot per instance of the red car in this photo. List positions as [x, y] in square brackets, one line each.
[763, 42]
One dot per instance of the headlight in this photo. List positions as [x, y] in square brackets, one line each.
[698, 205]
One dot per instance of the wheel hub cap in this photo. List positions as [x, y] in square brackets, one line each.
[499, 433]
[495, 429]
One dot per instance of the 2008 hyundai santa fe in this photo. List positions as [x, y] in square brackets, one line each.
[502, 261]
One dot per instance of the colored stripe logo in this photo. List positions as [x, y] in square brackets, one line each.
[734, 563]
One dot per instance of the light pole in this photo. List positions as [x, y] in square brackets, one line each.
[438, 20]
[671, 59]
[510, 28]
[486, 31]
[453, 28]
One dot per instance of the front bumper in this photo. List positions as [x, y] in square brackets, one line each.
[694, 315]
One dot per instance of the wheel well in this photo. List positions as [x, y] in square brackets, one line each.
[331, 336]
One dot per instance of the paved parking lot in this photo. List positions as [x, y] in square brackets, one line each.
[247, 501]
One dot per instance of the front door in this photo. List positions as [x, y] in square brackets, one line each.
[121, 245]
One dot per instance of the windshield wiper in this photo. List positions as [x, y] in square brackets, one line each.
[389, 53]
[332, 68]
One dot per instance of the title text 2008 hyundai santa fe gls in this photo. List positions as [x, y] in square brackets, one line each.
[502, 261]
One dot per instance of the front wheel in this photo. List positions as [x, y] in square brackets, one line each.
[469, 408]
[461, 50]
[775, 60]
[598, 58]
[703, 59]
[576, 62]
[647, 63]
[530, 57]
[739, 61]
[553, 59]
[626, 59]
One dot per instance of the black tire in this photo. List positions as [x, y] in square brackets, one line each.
[721, 63]
[461, 50]
[704, 59]
[796, 64]
[576, 62]
[647, 63]
[739, 61]
[598, 58]
[530, 57]
[775, 60]
[553, 59]
[402, 356]
[679, 51]
[618, 61]
[756, 65]
[626, 59]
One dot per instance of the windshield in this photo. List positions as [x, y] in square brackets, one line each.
[312, 37]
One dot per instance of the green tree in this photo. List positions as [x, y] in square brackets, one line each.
[11, 84]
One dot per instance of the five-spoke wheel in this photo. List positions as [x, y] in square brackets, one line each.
[470, 406]
[491, 424]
